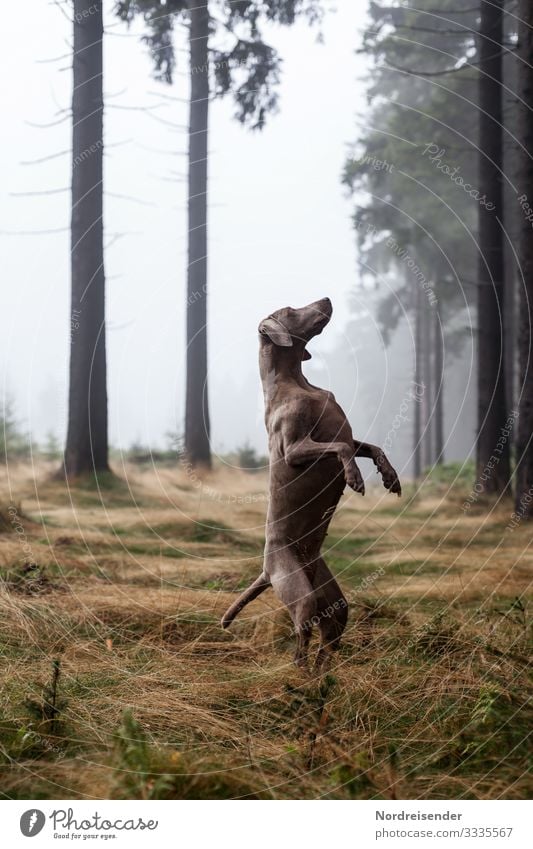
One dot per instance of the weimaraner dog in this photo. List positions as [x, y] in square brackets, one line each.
[312, 458]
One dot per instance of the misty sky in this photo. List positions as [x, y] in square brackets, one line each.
[279, 226]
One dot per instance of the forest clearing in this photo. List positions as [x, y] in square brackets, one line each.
[118, 681]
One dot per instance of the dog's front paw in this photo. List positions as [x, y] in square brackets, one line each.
[353, 477]
[391, 481]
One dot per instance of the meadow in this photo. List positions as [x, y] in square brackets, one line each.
[118, 682]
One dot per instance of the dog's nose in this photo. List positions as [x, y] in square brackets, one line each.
[323, 307]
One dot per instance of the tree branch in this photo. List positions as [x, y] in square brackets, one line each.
[419, 73]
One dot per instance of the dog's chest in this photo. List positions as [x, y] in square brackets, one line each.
[274, 425]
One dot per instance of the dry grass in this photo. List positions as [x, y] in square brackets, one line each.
[428, 697]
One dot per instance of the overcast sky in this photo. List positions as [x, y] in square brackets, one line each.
[279, 221]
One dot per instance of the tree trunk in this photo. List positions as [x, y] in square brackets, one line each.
[427, 363]
[418, 379]
[438, 379]
[524, 447]
[87, 447]
[512, 218]
[197, 430]
[492, 411]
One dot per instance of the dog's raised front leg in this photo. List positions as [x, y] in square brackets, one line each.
[305, 450]
[391, 480]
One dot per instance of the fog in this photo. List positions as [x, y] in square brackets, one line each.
[280, 232]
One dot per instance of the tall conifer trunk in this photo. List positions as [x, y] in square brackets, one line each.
[438, 381]
[87, 442]
[492, 400]
[197, 428]
[524, 442]
[418, 380]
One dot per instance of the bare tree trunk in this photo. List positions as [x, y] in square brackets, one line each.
[418, 379]
[512, 225]
[524, 446]
[438, 364]
[197, 429]
[87, 447]
[427, 363]
[512, 218]
[511, 306]
[492, 411]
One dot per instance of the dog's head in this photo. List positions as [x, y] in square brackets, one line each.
[291, 327]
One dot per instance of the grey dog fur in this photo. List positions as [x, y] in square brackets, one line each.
[312, 458]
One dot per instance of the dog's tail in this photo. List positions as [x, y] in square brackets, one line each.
[259, 585]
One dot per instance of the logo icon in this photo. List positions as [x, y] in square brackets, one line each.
[32, 822]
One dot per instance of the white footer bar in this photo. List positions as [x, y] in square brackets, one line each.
[267, 825]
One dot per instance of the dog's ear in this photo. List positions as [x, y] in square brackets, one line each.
[306, 355]
[275, 331]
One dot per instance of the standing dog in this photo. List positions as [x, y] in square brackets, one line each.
[312, 458]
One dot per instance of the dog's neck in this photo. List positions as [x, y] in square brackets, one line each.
[279, 366]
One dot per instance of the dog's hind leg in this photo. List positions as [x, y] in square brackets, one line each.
[295, 590]
[332, 611]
